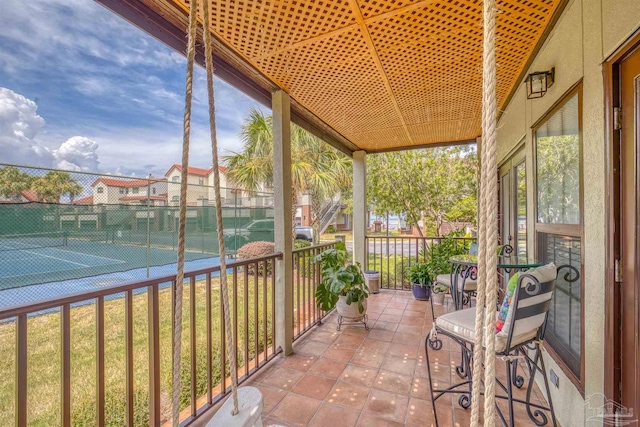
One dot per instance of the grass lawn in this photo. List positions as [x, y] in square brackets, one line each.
[44, 355]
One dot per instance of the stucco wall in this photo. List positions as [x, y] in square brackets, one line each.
[587, 31]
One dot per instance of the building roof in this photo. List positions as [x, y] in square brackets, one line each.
[143, 197]
[84, 201]
[128, 183]
[31, 196]
[196, 171]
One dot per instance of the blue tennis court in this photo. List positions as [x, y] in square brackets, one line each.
[53, 257]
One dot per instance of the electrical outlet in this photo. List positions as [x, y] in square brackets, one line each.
[553, 377]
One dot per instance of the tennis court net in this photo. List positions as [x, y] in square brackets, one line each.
[16, 242]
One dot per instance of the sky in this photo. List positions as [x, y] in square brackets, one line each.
[81, 89]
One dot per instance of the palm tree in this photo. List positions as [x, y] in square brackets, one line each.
[52, 186]
[13, 183]
[316, 168]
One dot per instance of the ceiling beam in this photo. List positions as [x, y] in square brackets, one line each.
[422, 146]
[376, 59]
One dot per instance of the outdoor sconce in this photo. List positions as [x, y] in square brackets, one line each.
[539, 82]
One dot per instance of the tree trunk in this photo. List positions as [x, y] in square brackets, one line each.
[315, 217]
[294, 208]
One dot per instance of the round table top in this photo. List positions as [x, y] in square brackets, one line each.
[509, 261]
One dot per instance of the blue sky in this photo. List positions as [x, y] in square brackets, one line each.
[109, 97]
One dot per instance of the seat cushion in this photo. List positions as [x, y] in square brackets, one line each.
[462, 324]
[469, 284]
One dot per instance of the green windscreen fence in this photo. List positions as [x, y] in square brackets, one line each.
[59, 225]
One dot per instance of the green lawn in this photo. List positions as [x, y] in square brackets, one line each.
[44, 356]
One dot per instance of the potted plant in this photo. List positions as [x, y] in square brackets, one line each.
[420, 277]
[439, 292]
[342, 286]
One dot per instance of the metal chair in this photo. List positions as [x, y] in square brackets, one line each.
[525, 334]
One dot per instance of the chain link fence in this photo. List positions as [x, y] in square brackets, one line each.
[59, 225]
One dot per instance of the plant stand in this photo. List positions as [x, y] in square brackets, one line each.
[362, 319]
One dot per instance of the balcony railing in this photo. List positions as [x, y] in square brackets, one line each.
[393, 256]
[65, 357]
[306, 276]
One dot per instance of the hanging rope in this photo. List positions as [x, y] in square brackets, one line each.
[488, 235]
[216, 183]
[177, 293]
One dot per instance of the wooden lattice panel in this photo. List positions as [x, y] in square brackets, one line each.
[383, 73]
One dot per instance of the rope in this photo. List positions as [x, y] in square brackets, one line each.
[178, 288]
[488, 235]
[216, 183]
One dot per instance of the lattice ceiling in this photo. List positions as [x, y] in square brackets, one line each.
[383, 73]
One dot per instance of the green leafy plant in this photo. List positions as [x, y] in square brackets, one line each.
[439, 288]
[439, 254]
[339, 279]
[420, 274]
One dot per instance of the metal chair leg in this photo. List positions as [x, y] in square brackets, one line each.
[428, 343]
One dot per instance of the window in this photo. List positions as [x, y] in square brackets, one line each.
[559, 224]
[123, 191]
[135, 190]
[200, 181]
[100, 190]
[175, 199]
[175, 179]
[154, 190]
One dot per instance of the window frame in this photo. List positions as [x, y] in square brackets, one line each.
[100, 190]
[572, 230]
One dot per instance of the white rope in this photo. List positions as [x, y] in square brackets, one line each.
[216, 184]
[488, 235]
[178, 288]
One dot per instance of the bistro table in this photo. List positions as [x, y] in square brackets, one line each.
[466, 267]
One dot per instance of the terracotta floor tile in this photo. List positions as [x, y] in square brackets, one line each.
[367, 420]
[400, 365]
[349, 341]
[333, 416]
[361, 375]
[385, 326]
[267, 422]
[283, 378]
[299, 362]
[380, 335]
[357, 329]
[412, 321]
[403, 328]
[314, 386]
[349, 395]
[401, 338]
[387, 405]
[328, 368]
[341, 354]
[270, 396]
[313, 348]
[296, 410]
[397, 304]
[373, 360]
[325, 336]
[374, 346]
[420, 388]
[393, 311]
[389, 318]
[404, 350]
[393, 382]
[419, 412]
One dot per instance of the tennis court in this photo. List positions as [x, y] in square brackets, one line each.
[52, 257]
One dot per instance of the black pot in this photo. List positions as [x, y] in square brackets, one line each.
[421, 293]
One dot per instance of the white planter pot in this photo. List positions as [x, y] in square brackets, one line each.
[350, 312]
[438, 298]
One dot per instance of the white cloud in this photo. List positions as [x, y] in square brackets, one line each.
[78, 153]
[19, 126]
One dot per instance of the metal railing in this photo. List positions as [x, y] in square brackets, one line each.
[393, 256]
[205, 365]
[306, 276]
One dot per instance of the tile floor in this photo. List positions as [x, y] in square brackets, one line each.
[366, 378]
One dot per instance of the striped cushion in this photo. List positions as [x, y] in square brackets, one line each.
[462, 323]
[531, 311]
[445, 279]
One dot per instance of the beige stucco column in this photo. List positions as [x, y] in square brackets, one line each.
[359, 207]
[283, 219]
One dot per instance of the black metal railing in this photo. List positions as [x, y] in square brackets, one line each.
[306, 276]
[130, 332]
[393, 256]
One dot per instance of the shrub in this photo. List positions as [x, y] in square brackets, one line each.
[255, 250]
[438, 254]
[331, 229]
[299, 244]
